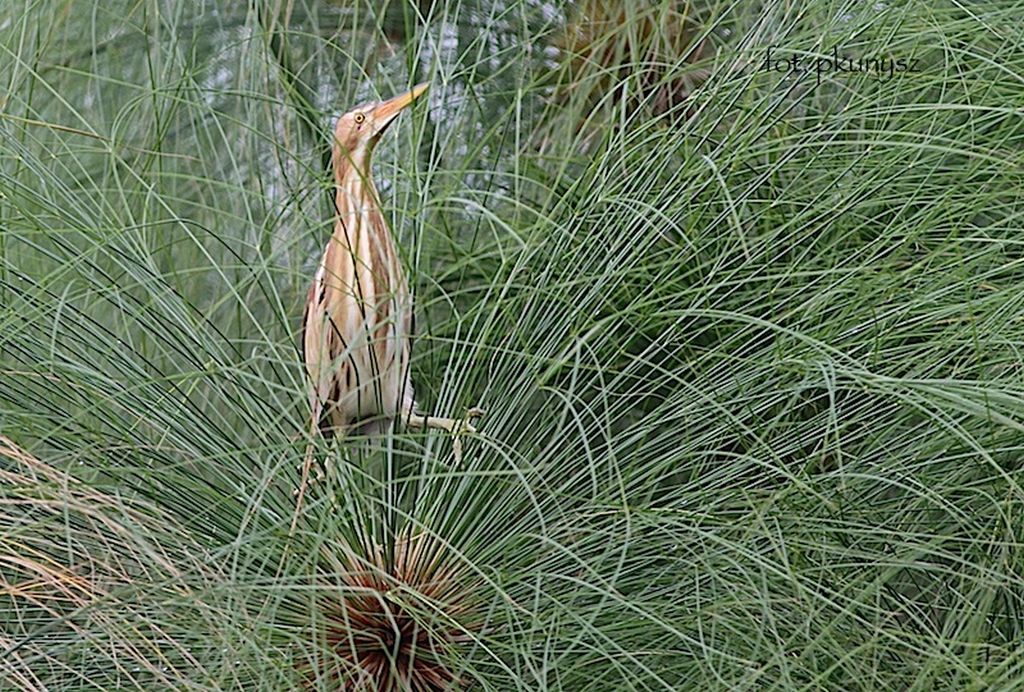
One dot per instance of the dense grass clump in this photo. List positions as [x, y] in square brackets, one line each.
[749, 339]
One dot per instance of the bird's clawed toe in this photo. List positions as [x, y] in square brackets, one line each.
[464, 427]
[466, 424]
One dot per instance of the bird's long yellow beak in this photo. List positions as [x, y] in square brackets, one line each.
[390, 108]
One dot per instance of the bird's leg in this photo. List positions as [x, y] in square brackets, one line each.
[309, 458]
[456, 426]
[300, 491]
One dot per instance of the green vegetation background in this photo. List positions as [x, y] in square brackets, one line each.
[750, 346]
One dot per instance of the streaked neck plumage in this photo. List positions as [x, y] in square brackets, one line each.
[362, 255]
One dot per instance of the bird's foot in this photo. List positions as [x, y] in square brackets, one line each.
[457, 427]
[463, 427]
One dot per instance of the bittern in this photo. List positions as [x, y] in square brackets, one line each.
[358, 320]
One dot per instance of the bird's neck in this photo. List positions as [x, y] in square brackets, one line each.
[355, 198]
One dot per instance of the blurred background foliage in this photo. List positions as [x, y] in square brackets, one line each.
[749, 342]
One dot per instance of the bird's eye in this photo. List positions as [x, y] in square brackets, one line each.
[359, 118]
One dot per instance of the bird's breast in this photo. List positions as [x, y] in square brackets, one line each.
[358, 356]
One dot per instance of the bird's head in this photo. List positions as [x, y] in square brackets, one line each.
[358, 131]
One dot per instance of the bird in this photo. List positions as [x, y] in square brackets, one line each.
[357, 324]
